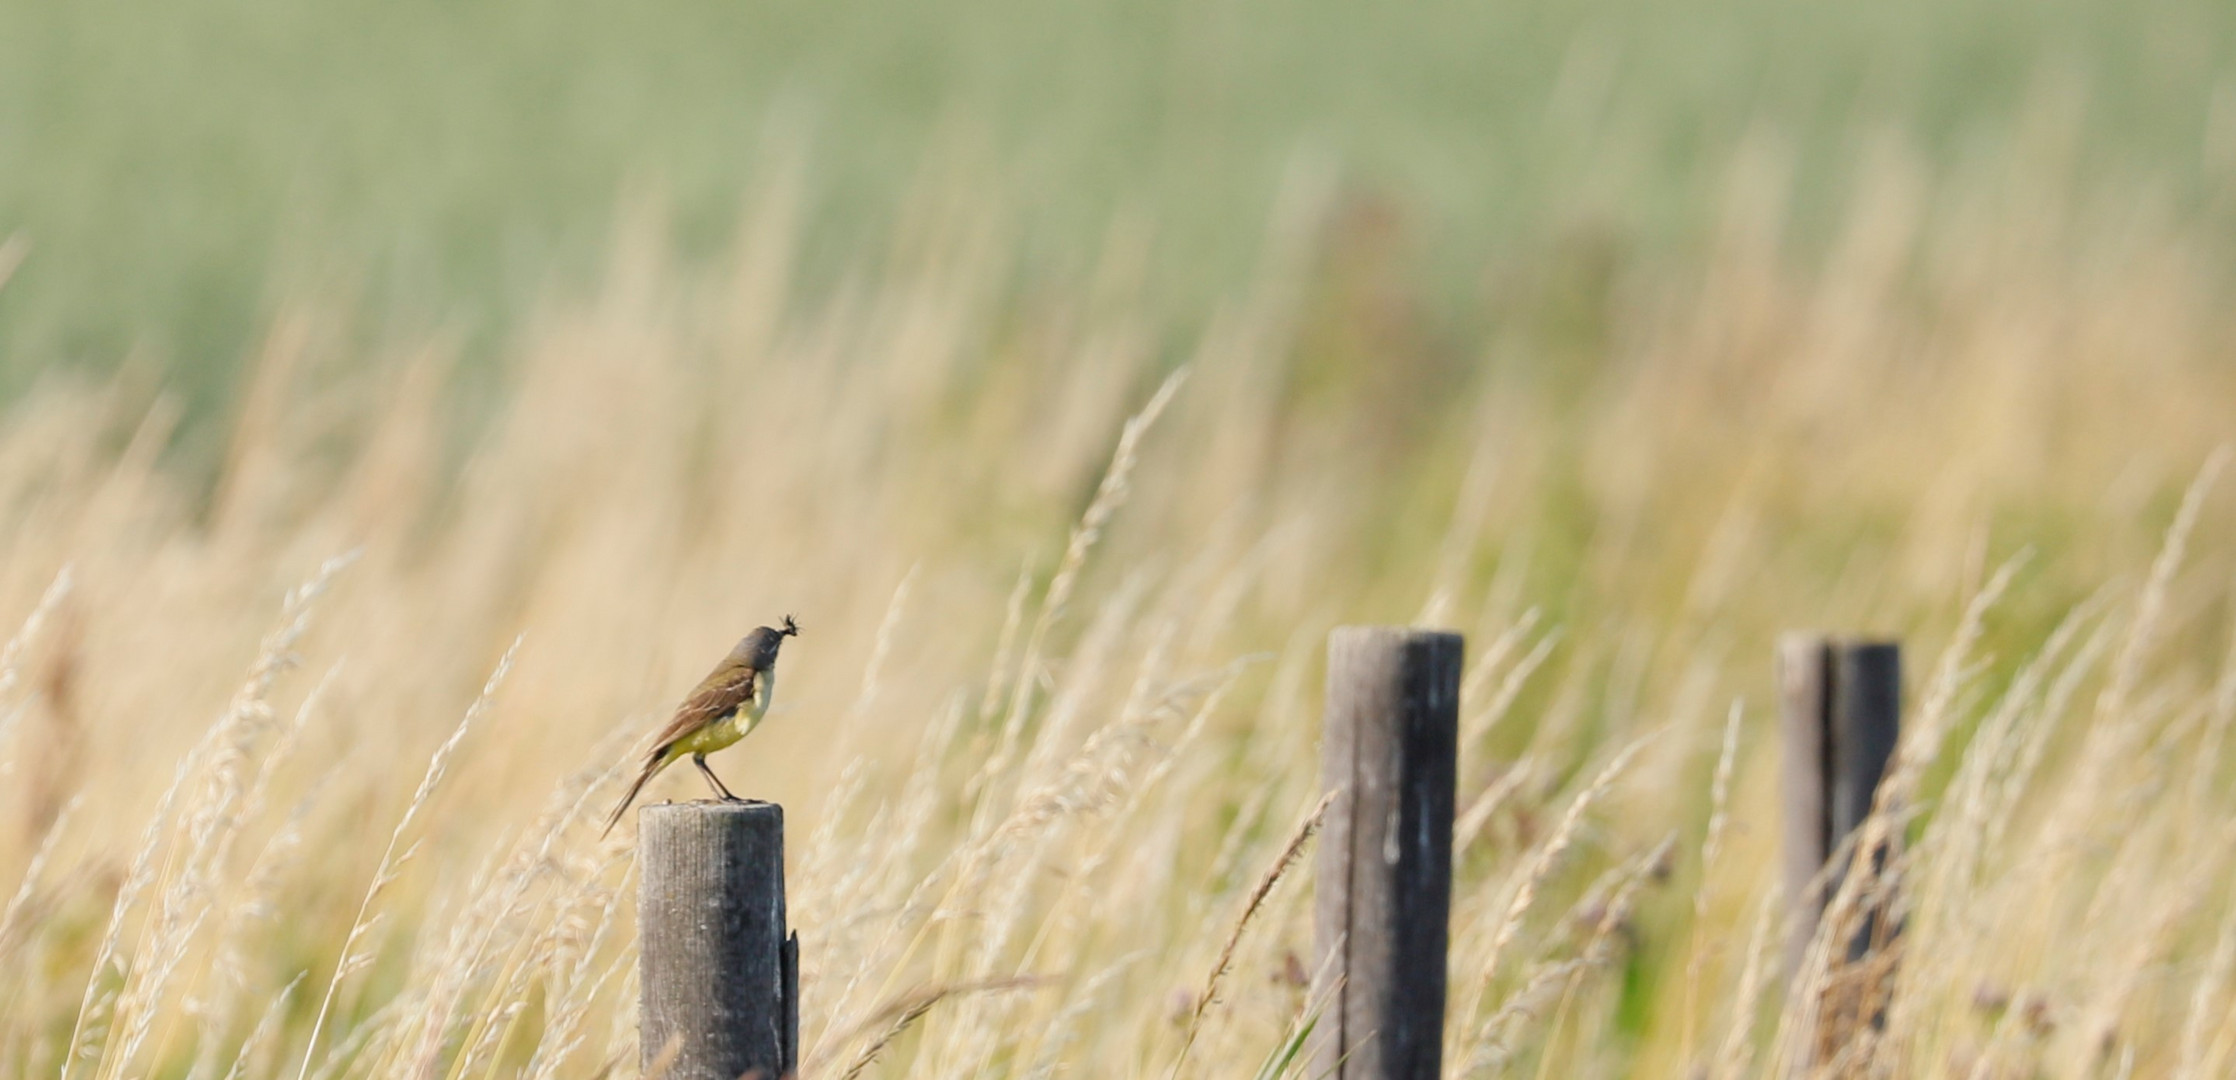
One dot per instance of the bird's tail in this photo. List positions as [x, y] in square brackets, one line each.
[652, 765]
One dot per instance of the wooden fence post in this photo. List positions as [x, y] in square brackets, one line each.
[1841, 710]
[719, 971]
[1384, 895]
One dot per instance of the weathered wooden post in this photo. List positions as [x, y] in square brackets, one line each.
[719, 970]
[1384, 894]
[1841, 708]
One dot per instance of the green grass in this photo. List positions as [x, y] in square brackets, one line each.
[184, 167]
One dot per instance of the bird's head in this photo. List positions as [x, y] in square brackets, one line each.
[758, 649]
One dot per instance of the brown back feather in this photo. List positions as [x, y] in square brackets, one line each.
[729, 686]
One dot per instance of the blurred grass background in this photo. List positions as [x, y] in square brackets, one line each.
[181, 169]
[1622, 335]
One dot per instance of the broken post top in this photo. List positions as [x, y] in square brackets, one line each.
[1394, 654]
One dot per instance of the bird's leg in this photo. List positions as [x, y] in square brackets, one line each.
[700, 760]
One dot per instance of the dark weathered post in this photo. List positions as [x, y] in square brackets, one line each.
[720, 969]
[1385, 864]
[1841, 706]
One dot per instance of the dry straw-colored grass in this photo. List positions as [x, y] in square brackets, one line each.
[1054, 710]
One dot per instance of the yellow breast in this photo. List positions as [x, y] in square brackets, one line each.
[728, 730]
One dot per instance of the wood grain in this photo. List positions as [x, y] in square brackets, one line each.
[1384, 895]
[718, 965]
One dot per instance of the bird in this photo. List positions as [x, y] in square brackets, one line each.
[726, 707]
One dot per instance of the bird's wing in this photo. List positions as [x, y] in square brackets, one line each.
[728, 687]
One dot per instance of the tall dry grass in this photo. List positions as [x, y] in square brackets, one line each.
[302, 769]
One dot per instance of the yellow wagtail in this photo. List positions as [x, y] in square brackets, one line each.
[726, 707]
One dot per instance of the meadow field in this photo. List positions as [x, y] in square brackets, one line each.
[333, 623]
[305, 769]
